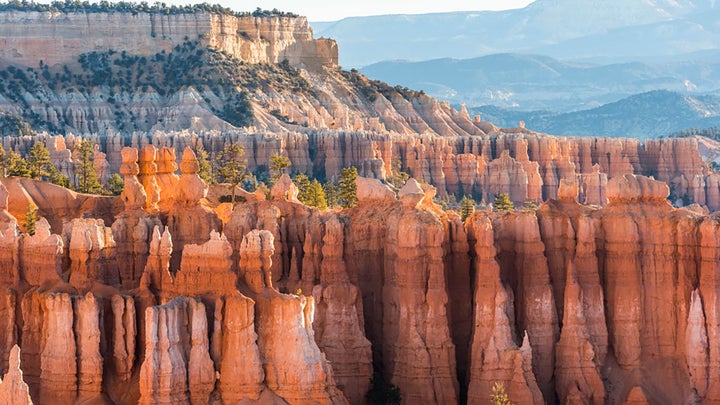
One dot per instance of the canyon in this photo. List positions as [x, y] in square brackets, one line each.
[600, 288]
[283, 302]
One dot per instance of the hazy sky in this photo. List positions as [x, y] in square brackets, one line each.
[328, 10]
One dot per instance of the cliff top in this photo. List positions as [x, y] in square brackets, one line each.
[77, 6]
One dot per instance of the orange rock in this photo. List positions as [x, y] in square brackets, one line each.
[13, 389]
[58, 358]
[123, 335]
[238, 356]
[338, 323]
[494, 356]
[576, 372]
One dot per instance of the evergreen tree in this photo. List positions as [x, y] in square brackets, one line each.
[231, 168]
[302, 182]
[347, 188]
[278, 166]
[205, 170]
[116, 184]
[17, 166]
[38, 159]
[87, 179]
[467, 207]
[502, 202]
[530, 205]
[316, 195]
[31, 218]
[41, 167]
[331, 194]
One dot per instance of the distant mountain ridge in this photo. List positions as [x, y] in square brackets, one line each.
[535, 82]
[554, 27]
[647, 115]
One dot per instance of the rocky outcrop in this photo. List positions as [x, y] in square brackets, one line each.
[177, 366]
[57, 37]
[92, 254]
[13, 389]
[338, 323]
[494, 355]
[295, 369]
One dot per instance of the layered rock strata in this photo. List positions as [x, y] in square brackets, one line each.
[566, 303]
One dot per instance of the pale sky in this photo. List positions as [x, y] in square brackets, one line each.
[329, 10]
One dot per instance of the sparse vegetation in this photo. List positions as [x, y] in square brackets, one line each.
[31, 218]
[116, 184]
[86, 177]
[467, 208]
[278, 166]
[347, 188]
[77, 6]
[499, 397]
[231, 168]
[502, 202]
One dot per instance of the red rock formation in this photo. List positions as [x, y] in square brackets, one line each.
[133, 227]
[523, 263]
[124, 335]
[177, 366]
[166, 178]
[92, 254]
[295, 369]
[189, 221]
[89, 359]
[338, 323]
[147, 177]
[237, 356]
[576, 371]
[58, 367]
[41, 256]
[415, 303]
[13, 389]
[494, 355]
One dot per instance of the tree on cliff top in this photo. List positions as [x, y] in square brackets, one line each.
[87, 178]
[42, 168]
[347, 188]
[205, 169]
[278, 165]
[31, 218]
[467, 208]
[232, 166]
[502, 202]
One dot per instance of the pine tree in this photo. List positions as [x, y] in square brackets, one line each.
[31, 218]
[502, 202]
[87, 179]
[347, 188]
[231, 168]
[331, 194]
[116, 184]
[467, 208]
[17, 166]
[302, 182]
[38, 159]
[42, 168]
[278, 166]
[316, 195]
[205, 170]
